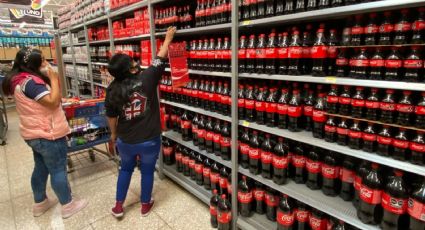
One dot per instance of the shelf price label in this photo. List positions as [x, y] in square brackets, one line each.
[246, 23]
[330, 79]
[245, 123]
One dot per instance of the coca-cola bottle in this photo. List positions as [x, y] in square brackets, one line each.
[324, 4]
[332, 100]
[314, 168]
[282, 109]
[377, 65]
[415, 208]
[295, 53]
[260, 106]
[241, 102]
[387, 107]
[224, 214]
[332, 53]
[357, 31]
[211, 97]
[251, 55]
[245, 9]
[271, 108]
[355, 136]
[418, 27]
[245, 198]
[302, 216]
[405, 109]
[271, 54]
[266, 157]
[344, 101]
[420, 112]
[282, 53]
[336, 3]
[271, 200]
[341, 64]
[330, 130]
[386, 30]
[179, 158]
[280, 162]
[195, 91]
[369, 138]
[385, 141]
[309, 103]
[318, 220]
[361, 173]
[225, 100]
[347, 174]
[192, 160]
[393, 65]
[371, 30]
[413, 66]
[214, 176]
[270, 8]
[342, 132]
[259, 194]
[360, 65]
[254, 154]
[401, 145]
[319, 117]
[226, 56]
[242, 54]
[307, 43]
[394, 202]
[370, 210]
[204, 64]
[244, 149]
[346, 33]
[299, 6]
[185, 162]
[213, 208]
[295, 112]
[253, 9]
[260, 54]
[358, 103]
[331, 183]
[192, 61]
[199, 170]
[217, 138]
[168, 151]
[298, 160]
[209, 136]
[311, 5]
[223, 180]
[219, 50]
[261, 8]
[206, 172]
[319, 54]
[288, 9]
[225, 141]
[201, 133]
[372, 105]
[250, 104]
[402, 29]
[417, 149]
[286, 213]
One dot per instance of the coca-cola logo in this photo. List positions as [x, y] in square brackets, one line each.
[302, 216]
[245, 197]
[366, 193]
[259, 194]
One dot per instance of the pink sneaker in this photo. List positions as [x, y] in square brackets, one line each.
[118, 210]
[73, 207]
[147, 207]
[39, 209]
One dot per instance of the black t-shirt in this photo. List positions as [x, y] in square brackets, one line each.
[139, 119]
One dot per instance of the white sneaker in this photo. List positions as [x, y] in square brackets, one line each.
[73, 207]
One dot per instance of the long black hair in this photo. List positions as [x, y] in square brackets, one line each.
[27, 60]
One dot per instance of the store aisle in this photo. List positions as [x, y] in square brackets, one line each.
[174, 207]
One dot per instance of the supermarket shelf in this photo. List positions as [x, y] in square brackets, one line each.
[333, 206]
[256, 222]
[175, 136]
[64, 45]
[134, 38]
[334, 12]
[371, 46]
[99, 42]
[99, 19]
[100, 63]
[306, 137]
[99, 84]
[157, 1]
[201, 30]
[199, 191]
[84, 80]
[206, 73]
[79, 44]
[144, 67]
[198, 110]
[76, 27]
[129, 8]
[81, 63]
[340, 81]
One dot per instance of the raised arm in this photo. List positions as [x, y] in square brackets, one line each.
[163, 52]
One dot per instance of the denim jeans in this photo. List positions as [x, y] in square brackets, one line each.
[148, 152]
[50, 157]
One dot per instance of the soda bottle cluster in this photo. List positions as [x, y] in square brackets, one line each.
[206, 93]
[178, 16]
[212, 12]
[212, 54]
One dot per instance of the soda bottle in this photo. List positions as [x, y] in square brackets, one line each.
[405, 109]
[418, 27]
[369, 138]
[415, 208]
[225, 141]
[401, 145]
[358, 103]
[185, 162]
[168, 151]
[282, 53]
[372, 105]
[330, 130]
[192, 61]
[319, 54]
[192, 160]
[254, 154]
[179, 158]
[308, 109]
[242, 54]
[213, 14]
[341, 64]
[209, 136]
[371, 30]
[250, 104]
[211, 97]
[402, 29]
[213, 208]
[370, 210]
[260, 54]
[286, 214]
[393, 65]
[299, 163]
[332, 100]
[307, 43]
[342, 132]
[385, 142]
[214, 176]
[271, 201]
[260, 107]
[245, 9]
[217, 138]
[226, 100]
[361, 173]
[300, 6]
[201, 133]
[413, 66]
[336, 3]
[387, 107]
[346, 176]
[394, 202]
[295, 112]
[289, 7]
[207, 90]
[244, 148]
[195, 93]
[219, 50]
[259, 195]
[241, 102]
[245, 198]
[261, 8]
[359, 65]
[332, 53]
[223, 180]
[204, 55]
[314, 168]
[318, 220]
[344, 101]
[357, 31]
[206, 172]
[302, 214]
[271, 108]
[224, 214]
[199, 170]
[266, 156]
[282, 109]
[251, 55]
[355, 136]
[420, 112]
[211, 55]
[346, 33]
[269, 8]
[319, 117]
[377, 65]
[386, 30]
[417, 148]
[270, 54]
[311, 5]
[323, 4]
[331, 184]
[280, 162]
[295, 53]
[226, 56]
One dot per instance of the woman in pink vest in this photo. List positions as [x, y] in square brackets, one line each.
[43, 126]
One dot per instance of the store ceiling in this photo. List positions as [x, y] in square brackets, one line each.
[54, 5]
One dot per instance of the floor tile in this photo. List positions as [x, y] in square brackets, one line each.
[4, 189]
[165, 227]
[6, 218]
[194, 218]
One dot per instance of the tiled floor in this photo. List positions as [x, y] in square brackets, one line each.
[174, 207]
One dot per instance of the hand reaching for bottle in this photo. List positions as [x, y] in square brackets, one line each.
[169, 36]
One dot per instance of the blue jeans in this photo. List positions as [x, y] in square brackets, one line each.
[50, 157]
[148, 152]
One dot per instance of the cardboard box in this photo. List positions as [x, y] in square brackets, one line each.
[46, 52]
[2, 57]
[10, 53]
[53, 51]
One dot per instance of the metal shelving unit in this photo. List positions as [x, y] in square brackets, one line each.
[209, 29]
[198, 110]
[99, 42]
[206, 73]
[134, 38]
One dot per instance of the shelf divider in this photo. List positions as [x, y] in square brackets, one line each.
[198, 110]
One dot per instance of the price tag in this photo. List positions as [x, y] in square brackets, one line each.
[246, 23]
[330, 79]
[245, 123]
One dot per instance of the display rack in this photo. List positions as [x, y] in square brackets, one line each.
[333, 206]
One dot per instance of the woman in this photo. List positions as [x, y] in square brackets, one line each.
[43, 125]
[132, 108]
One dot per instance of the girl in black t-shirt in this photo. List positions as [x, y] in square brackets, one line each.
[132, 108]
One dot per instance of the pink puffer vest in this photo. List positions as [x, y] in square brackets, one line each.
[37, 121]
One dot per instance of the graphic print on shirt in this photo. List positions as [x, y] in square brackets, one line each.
[136, 107]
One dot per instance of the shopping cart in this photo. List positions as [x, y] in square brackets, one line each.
[3, 112]
[89, 128]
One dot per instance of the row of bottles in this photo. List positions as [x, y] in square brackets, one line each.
[179, 17]
[212, 12]
[210, 54]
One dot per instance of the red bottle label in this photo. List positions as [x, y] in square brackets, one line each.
[179, 157]
[372, 104]
[377, 63]
[213, 210]
[413, 64]
[417, 147]
[387, 106]
[403, 27]
[302, 216]
[313, 166]
[254, 153]
[370, 196]
[359, 63]
[319, 52]
[295, 52]
[282, 53]
[167, 151]
[266, 157]
[420, 110]
[332, 52]
[341, 61]
[224, 217]
[393, 204]
[214, 177]
[258, 194]
[227, 54]
[357, 182]
[384, 140]
[306, 52]
[199, 168]
[403, 108]
[330, 129]
[386, 28]
[201, 133]
[271, 107]
[371, 29]
[209, 136]
[344, 100]
[260, 53]
[346, 175]
[185, 160]
[244, 149]
[249, 104]
[357, 103]
[186, 124]
[354, 134]
[369, 137]
[245, 197]
[308, 110]
[401, 144]
[416, 209]
[285, 219]
[259, 106]
[357, 30]
[319, 116]
[418, 25]
[271, 53]
[225, 142]
[392, 64]
[294, 111]
[282, 109]
[250, 53]
[318, 224]
[271, 200]
[206, 172]
[222, 182]
[191, 163]
[332, 99]
[280, 162]
[211, 54]
[242, 53]
[330, 172]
